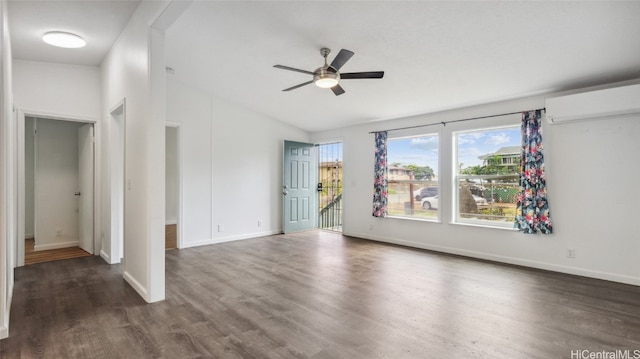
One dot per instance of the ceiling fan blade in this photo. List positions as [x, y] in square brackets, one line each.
[300, 85]
[337, 90]
[293, 69]
[362, 75]
[342, 57]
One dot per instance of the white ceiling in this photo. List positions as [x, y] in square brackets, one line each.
[98, 22]
[436, 55]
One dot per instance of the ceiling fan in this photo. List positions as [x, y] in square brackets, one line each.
[328, 76]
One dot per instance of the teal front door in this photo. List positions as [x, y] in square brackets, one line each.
[299, 187]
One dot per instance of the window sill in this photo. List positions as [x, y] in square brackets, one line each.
[435, 220]
[484, 224]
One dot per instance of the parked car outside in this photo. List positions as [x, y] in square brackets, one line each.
[423, 192]
[432, 202]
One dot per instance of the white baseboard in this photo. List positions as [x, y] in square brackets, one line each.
[229, 238]
[4, 327]
[142, 291]
[169, 222]
[106, 257]
[44, 247]
[509, 260]
[29, 236]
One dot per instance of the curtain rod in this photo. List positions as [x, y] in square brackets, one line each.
[444, 123]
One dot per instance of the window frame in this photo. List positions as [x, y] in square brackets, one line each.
[457, 177]
[406, 135]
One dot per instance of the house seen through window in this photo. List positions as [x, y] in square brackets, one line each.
[487, 166]
[412, 177]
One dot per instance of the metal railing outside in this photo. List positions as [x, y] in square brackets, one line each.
[331, 215]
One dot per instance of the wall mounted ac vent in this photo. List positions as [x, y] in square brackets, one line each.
[618, 101]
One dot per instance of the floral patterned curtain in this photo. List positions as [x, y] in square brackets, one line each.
[380, 176]
[532, 208]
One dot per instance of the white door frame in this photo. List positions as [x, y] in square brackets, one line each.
[22, 113]
[177, 126]
[116, 121]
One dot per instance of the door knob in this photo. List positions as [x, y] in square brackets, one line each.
[77, 194]
[285, 193]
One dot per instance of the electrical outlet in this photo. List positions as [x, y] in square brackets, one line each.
[571, 253]
[220, 228]
[58, 232]
[371, 227]
[259, 223]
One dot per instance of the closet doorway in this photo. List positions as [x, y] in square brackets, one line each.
[58, 190]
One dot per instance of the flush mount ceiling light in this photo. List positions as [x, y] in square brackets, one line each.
[63, 39]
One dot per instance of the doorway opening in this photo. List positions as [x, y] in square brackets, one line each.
[57, 190]
[172, 187]
[330, 186]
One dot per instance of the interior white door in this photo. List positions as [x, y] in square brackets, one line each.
[85, 192]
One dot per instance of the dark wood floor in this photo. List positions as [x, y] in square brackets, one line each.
[317, 295]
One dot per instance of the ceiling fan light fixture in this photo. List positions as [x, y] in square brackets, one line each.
[328, 75]
[326, 83]
[63, 39]
[325, 79]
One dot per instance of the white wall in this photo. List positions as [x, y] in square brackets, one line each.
[231, 167]
[590, 176]
[192, 110]
[56, 181]
[130, 72]
[8, 166]
[70, 91]
[171, 176]
[594, 183]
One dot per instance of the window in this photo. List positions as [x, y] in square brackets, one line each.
[487, 167]
[413, 177]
